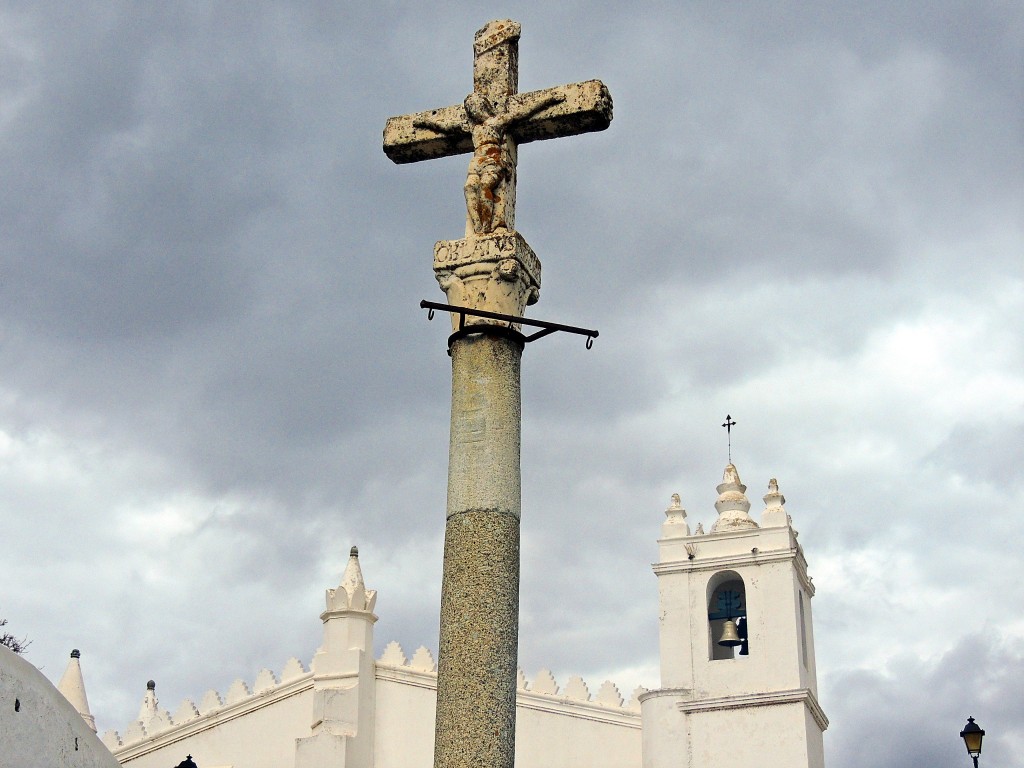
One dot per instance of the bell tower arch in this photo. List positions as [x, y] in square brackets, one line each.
[727, 616]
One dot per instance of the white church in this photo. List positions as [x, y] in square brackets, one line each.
[738, 681]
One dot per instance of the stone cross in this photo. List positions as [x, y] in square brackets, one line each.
[492, 121]
[491, 269]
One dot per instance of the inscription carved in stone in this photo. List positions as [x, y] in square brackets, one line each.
[498, 273]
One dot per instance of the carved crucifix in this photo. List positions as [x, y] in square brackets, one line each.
[492, 121]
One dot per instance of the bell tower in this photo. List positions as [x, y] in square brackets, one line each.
[738, 680]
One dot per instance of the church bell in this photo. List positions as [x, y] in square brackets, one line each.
[730, 637]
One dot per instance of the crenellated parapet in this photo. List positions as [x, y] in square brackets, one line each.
[543, 689]
[156, 723]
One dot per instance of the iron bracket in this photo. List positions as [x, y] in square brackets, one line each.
[546, 327]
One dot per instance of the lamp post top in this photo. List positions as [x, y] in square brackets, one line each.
[972, 735]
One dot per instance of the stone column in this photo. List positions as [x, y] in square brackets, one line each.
[476, 678]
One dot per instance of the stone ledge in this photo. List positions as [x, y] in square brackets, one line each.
[793, 696]
[738, 560]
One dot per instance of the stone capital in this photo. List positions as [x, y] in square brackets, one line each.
[495, 273]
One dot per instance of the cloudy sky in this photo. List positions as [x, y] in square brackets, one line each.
[215, 377]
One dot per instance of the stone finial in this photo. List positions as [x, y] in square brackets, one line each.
[150, 704]
[675, 524]
[72, 685]
[352, 593]
[774, 515]
[733, 505]
[353, 576]
[152, 719]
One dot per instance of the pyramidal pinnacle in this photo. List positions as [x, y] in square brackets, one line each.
[733, 505]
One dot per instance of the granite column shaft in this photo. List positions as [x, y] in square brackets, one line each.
[476, 678]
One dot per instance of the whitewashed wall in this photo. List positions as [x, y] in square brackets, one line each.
[38, 726]
[256, 727]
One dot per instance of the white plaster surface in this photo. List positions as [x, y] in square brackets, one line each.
[38, 726]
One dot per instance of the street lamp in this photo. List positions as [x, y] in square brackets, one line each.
[972, 735]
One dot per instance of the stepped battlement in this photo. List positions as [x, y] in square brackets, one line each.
[295, 678]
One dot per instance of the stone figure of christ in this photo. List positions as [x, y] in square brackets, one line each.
[491, 165]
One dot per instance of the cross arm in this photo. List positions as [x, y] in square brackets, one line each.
[581, 108]
[408, 140]
[577, 108]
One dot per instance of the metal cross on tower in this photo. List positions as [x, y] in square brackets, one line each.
[729, 424]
